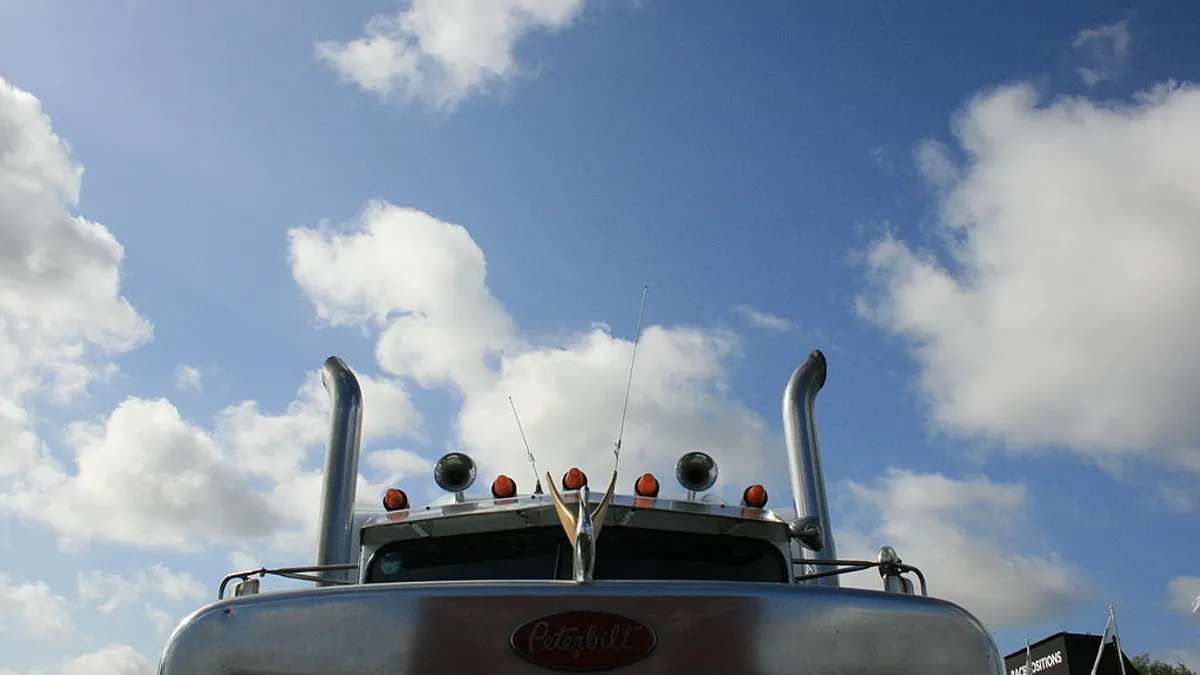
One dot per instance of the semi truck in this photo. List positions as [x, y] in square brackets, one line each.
[580, 577]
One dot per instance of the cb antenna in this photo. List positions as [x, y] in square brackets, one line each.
[629, 383]
[528, 452]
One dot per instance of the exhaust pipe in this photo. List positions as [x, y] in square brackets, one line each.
[341, 467]
[812, 526]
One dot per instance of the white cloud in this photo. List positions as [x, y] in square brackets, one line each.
[442, 51]
[109, 660]
[1106, 48]
[970, 538]
[277, 446]
[765, 319]
[19, 446]
[1184, 593]
[165, 483]
[398, 464]
[112, 591]
[421, 278]
[61, 312]
[422, 283]
[1059, 305]
[187, 377]
[570, 397]
[160, 481]
[172, 585]
[33, 609]
[240, 560]
[301, 492]
[164, 622]
[288, 450]
[940, 171]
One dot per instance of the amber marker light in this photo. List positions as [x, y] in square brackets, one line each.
[755, 496]
[395, 500]
[646, 486]
[504, 487]
[574, 479]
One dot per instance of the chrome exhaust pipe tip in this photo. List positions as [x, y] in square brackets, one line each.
[804, 461]
[341, 466]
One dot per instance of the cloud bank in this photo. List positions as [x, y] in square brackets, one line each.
[969, 537]
[1056, 305]
[420, 285]
[163, 482]
[61, 311]
[33, 609]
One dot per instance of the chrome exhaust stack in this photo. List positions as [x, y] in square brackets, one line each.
[812, 526]
[341, 467]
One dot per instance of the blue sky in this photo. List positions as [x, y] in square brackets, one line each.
[984, 216]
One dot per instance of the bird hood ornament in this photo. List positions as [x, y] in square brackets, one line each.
[582, 527]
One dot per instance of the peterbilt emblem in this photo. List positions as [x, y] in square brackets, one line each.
[583, 641]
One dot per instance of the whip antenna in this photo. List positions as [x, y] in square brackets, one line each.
[629, 383]
[528, 452]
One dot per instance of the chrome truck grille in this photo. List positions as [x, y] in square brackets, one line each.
[638, 628]
[579, 581]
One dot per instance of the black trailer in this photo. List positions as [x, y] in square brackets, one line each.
[1068, 654]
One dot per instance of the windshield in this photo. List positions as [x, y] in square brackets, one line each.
[545, 553]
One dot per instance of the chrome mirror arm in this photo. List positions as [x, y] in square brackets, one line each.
[888, 563]
[807, 531]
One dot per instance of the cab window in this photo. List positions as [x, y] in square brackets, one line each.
[545, 553]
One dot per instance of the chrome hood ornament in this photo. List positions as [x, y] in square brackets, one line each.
[582, 527]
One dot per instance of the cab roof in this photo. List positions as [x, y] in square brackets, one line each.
[483, 515]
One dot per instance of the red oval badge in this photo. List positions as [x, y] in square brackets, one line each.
[583, 641]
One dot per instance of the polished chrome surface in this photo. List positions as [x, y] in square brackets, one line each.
[489, 505]
[539, 510]
[455, 472]
[583, 562]
[298, 573]
[467, 627]
[804, 457]
[806, 530]
[341, 465]
[894, 583]
[891, 569]
[583, 526]
[696, 472]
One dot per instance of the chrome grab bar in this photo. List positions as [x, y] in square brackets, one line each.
[886, 567]
[292, 573]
